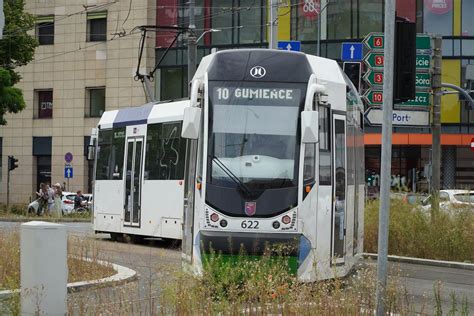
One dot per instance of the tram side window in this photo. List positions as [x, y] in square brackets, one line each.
[165, 152]
[110, 154]
[324, 149]
[309, 163]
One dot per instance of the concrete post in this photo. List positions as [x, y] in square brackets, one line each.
[386, 166]
[43, 267]
[436, 127]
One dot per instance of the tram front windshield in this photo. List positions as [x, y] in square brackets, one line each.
[254, 138]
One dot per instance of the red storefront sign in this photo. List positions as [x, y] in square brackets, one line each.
[310, 9]
[439, 6]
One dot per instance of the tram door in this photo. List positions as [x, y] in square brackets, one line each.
[133, 181]
[339, 189]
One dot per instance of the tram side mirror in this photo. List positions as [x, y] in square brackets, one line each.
[309, 127]
[191, 122]
[90, 152]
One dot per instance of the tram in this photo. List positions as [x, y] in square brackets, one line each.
[139, 171]
[275, 155]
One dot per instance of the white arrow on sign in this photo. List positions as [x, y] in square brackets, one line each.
[288, 47]
[68, 171]
[400, 117]
[352, 49]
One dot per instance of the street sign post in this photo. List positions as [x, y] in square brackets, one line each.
[374, 60]
[290, 45]
[399, 117]
[421, 99]
[374, 78]
[372, 97]
[68, 172]
[352, 52]
[68, 157]
[375, 41]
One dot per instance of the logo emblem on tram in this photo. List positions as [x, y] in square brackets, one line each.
[250, 208]
[258, 72]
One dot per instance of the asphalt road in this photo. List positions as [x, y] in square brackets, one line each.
[156, 261]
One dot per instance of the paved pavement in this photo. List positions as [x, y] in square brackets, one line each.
[156, 261]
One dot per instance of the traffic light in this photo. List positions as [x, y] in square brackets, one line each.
[405, 61]
[12, 163]
[353, 72]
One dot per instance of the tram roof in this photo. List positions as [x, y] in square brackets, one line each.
[145, 114]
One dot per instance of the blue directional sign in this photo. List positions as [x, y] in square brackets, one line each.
[290, 45]
[68, 172]
[352, 51]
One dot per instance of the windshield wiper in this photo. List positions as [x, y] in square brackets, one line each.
[231, 175]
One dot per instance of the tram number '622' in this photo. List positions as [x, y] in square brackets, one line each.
[249, 224]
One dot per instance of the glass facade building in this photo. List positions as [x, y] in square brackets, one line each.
[245, 24]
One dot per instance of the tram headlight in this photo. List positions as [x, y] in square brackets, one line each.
[214, 217]
[276, 224]
[286, 220]
[223, 223]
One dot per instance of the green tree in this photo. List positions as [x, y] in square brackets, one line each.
[17, 48]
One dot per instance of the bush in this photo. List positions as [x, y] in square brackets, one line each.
[413, 233]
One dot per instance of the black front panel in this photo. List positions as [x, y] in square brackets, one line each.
[230, 201]
[231, 243]
[280, 66]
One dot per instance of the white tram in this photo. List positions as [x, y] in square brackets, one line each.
[275, 155]
[139, 171]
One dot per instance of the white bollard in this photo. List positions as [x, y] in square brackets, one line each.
[44, 272]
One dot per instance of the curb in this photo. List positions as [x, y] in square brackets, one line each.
[431, 262]
[123, 275]
[52, 220]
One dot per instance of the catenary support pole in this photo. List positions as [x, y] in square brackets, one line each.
[436, 128]
[385, 174]
[273, 40]
[192, 50]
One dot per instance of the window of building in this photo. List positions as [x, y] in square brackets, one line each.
[370, 16]
[165, 152]
[43, 104]
[438, 17]
[42, 149]
[467, 26]
[250, 16]
[339, 19]
[110, 154]
[96, 26]
[45, 30]
[304, 21]
[95, 101]
[173, 83]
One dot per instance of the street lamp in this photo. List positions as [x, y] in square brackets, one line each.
[207, 31]
[318, 45]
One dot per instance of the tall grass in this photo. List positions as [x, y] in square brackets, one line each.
[414, 233]
[79, 249]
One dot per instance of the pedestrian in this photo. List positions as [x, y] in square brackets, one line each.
[58, 194]
[42, 199]
[50, 195]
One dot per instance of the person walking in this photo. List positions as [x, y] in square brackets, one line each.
[58, 194]
[50, 194]
[42, 199]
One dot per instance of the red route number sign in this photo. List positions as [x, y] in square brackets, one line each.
[377, 97]
[378, 42]
[379, 60]
[378, 78]
[472, 144]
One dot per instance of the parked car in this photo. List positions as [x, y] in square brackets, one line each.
[67, 205]
[451, 198]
